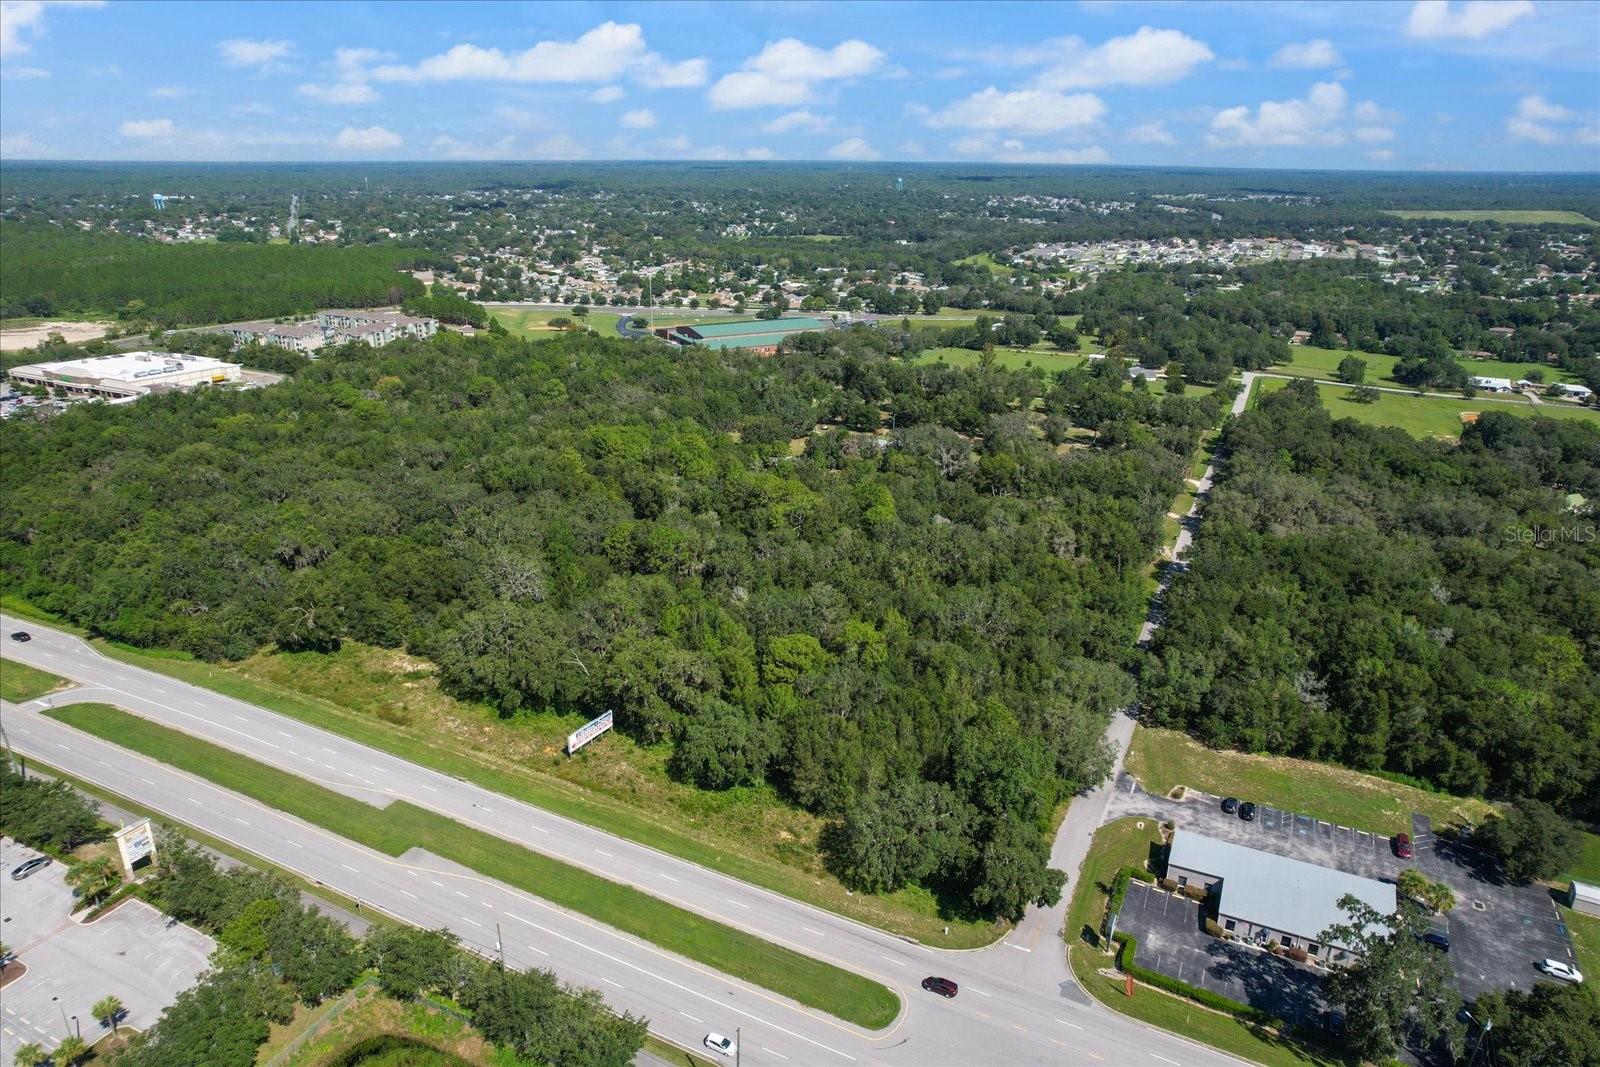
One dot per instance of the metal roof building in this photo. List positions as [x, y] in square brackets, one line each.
[760, 334]
[1584, 897]
[1262, 896]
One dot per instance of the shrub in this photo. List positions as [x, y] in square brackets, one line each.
[1169, 884]
[1215, 929]
[1141, 874]
[1299, 955]
[1128, 946]
[1195, 892]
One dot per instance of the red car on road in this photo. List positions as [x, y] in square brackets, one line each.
[1402, 846]
[942, 986]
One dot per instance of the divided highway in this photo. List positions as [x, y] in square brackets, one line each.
[1017, 1005]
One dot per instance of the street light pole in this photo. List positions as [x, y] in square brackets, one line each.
[738, 1045]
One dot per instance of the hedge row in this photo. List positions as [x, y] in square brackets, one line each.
[1128, 946]
[1119, 886]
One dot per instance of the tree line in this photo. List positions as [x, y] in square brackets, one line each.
[934, 617]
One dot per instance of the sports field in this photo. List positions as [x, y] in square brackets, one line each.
[1047, 359]
[1507, 215]
[1425, 416]
[535, 322]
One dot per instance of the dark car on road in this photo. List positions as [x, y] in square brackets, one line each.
[21, 635]
[1247, 811]
[1230, 806]
[942, 986]
[27, 867]
[1402, 846]
[1437, 939]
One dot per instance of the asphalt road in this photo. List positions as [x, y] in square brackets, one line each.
[1018, 1003]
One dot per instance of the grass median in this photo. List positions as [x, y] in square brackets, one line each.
[401, 826]
[20, 682]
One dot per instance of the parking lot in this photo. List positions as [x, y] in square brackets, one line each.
[1172, 941]
[131, 953]
[1498, 931]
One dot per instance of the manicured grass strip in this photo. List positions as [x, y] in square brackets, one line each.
[1585, 866]
[1165, 759]
[402, 826]
[1585, 939]
[1127, 843]
[20, 682]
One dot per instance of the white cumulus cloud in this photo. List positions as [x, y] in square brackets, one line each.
[1025, 110]
[1306, 55]
[853, 148]
[603, 54]
[1146, 57]
[1151, 133]
[1013, 150]
[148, 129]
[640, 119]
[1539, 121]
[798, 120]
[785, 72]
[1312, 119]
[345, 93]
[607, 94]
[1381, 155]
[367, 139]
[22, 21]
[245, 52]
[1472, 21]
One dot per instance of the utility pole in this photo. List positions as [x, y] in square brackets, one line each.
[738, 1044]
[499, 947]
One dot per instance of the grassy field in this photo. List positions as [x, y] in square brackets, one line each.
[535, 322]
[1047, 359]
[1165, 759]
[1320, 363]
[985, 259]
[402, 826]
[1585, 939]
[1509, 215]
[1585, 864]
[20, 682]
[1128, 843]
[1425, 416]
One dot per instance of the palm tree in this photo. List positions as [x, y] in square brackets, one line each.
[108, 1010]
[31, 1055]
[93, 879]
[71, 1052]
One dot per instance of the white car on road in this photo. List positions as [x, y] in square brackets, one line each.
[1564, 972]
[719, 1044]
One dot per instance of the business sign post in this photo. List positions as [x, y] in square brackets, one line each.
[136, 844]
[588, 732]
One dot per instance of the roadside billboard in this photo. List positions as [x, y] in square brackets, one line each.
[588, 732]
[136, 844]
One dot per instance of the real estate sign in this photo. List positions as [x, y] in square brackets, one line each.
[588, 732]
[136, 843]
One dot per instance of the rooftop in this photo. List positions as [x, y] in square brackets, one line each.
[1284, 894]
[128, 366]
[711, 330]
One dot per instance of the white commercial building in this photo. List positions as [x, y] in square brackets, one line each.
[374, 327]
[126, 376]
[1492, 385]
[1579, 392]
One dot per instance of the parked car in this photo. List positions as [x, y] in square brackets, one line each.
[942, 986]
[27, 867]
[1402, 846]
[1247, 811]
[1562, 972]
[1437, 939]
[721, 1045]
[1230, 806]
[21, 635]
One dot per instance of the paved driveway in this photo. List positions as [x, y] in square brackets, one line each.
[1172, 941]
[1497, 930]
[131, 953]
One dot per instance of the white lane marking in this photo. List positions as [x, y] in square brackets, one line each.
[286, 733]
[669, 878]
[459, 893]
[474, 922]
[163, 692]
[691, 1018]
[891, 959]
[608, 981]
[736, 904]
[980, 992]
[604, 853]
[296, 844]
[368, 781]
[102, 763]
[429, 788]
[769, 1052]
[328, 750]
[540, 951]
[1019, 948]
[1064, 1022]
[541, 829]
[347, 867]
[439, 884]
[1163, 1059]
[808, 930]
[487, 808]
[411, 872]
[244, 822]
[146, 781]
[410, 894]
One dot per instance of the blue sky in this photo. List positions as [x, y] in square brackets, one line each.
[1482, 85]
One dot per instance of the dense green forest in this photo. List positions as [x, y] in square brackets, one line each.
[918, 635]
[45, 271]
[1396, 604]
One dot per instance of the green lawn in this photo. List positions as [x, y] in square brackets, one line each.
[1048, 359]
[1165, 759]
[534, 322]
[402, 826]
[1585, 939]
[20, 682]
[1128, 843]
[1320, 363]
[1509, 215]
[985, 259]
[1585, 865]
[1426, 416]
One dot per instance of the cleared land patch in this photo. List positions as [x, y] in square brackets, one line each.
[402, 826]
[1509, 215]
[1322, 363]
[1165, 759]
[1425, 416]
